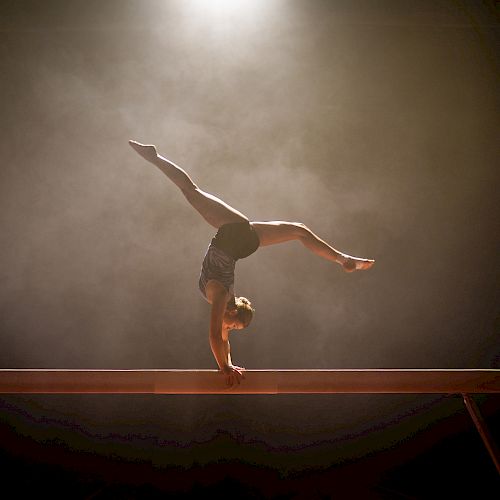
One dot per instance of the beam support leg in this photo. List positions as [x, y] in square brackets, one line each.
[482, 428]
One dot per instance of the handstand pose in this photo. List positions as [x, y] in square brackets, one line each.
[236, 238]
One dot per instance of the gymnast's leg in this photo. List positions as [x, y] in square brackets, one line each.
[212, 209]
[274, 232]
[217, 213]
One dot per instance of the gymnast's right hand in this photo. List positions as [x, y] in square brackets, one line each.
[147, 151]
[233, 374]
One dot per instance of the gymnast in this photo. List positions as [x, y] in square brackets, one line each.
[236, 238]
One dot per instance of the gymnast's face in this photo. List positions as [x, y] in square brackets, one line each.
[231, 320]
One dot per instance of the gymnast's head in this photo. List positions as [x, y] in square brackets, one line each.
[239, 317]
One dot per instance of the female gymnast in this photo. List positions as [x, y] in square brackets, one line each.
[236, 238]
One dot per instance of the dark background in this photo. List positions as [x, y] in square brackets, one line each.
[373, 122]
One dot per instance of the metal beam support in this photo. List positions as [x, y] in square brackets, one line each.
[483, 430]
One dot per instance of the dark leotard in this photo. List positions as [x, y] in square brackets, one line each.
[233, 241]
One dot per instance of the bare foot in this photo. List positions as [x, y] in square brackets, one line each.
[352, 264]
[147, 151]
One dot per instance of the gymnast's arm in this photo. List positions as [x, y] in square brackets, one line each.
[219, 341]
[227, 351]
[216, 318]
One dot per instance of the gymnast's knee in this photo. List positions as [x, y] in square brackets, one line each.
[190, 190]
[301, 230]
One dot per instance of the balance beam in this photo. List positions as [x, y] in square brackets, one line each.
[416, 381]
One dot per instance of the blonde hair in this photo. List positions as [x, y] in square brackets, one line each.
[245, 310]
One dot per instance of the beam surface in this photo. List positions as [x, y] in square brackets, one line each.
[59, 381]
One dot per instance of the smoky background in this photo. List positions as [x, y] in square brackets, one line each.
[375, 124]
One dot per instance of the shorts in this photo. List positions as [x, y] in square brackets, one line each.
[237, 239]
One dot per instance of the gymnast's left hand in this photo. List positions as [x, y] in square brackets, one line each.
[233, 374]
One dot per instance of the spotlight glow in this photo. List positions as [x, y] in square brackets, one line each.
[221, 10]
